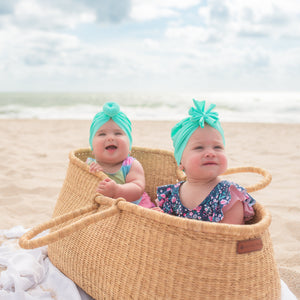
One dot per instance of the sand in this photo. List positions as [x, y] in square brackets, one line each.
[34, 160]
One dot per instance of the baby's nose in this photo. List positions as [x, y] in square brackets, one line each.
[110, 137]
[209, 153]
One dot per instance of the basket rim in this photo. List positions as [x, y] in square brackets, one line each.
[238, 231]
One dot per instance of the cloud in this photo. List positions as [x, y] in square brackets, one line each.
[56, 14]
[7, 7]
[145, 10]
[105, 10]
[192, 35]
[252, 19]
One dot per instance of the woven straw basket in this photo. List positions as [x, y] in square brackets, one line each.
[113, 249]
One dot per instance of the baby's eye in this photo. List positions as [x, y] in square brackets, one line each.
[118, 133]
[219, 147]
[101, 134]
[198, 148]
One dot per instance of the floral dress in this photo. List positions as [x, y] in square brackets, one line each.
[212, 208]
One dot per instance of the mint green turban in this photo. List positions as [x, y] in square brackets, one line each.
[183, 130]
[111, 110]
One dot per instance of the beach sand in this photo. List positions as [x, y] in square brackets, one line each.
[34, 160]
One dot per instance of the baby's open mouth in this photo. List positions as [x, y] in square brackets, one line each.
[111, 147]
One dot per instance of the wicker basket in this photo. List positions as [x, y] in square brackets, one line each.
[114, 249]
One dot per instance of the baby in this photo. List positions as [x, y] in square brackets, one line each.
[199, 151]
[111, 141]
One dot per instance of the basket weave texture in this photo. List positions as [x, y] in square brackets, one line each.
[114, 249]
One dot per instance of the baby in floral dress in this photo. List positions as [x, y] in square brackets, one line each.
[199, 151]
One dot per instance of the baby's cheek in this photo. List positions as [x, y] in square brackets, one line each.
[223, 161]
[194, 161]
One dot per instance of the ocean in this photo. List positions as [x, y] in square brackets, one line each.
[264, 107]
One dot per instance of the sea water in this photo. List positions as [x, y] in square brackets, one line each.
[265, 107]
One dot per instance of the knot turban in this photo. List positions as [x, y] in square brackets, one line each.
[111, 110]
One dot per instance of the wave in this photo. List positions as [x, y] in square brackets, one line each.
[232, 107]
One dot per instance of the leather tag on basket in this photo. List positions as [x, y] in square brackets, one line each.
[248, 246]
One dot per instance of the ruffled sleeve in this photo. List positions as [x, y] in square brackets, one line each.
[126, 165]
[238, 193]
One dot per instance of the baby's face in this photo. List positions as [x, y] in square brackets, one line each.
[204, 155]
[110, 144]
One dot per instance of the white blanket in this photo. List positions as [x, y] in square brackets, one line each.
[29, 274]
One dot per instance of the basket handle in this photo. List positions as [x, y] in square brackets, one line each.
[27, 241]
[267, 177]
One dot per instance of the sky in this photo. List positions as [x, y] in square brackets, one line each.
[149, 45]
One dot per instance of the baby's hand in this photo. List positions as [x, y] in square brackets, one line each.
[157, 209]
[94, 167]
[108, 187]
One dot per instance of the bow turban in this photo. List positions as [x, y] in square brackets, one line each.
[183, 130]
